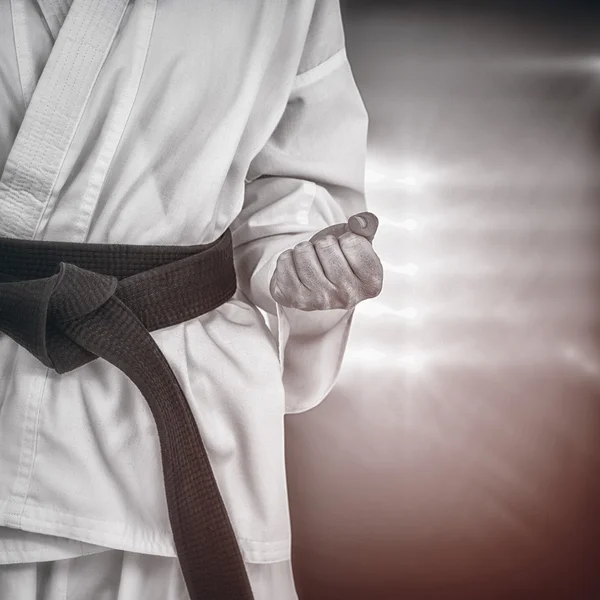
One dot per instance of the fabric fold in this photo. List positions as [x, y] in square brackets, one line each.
[75, 315]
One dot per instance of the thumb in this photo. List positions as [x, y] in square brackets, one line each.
[336, 230]
[364, 224]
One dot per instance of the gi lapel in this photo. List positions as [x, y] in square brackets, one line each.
[55, 12]
[54, 112]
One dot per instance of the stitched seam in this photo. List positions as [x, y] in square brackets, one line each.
[107, 155]
[79, 116]
[35, 440]
[18, 54]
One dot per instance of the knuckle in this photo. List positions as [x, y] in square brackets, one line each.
[284, 271]
[313, 300]
[284, 256]
[355, 297]
[306, 301]
[354, 242]
[281, 298]
[372, 287]
[303, 247]
[330, 296]
[374, 279]
[302, 295]
[319, 303]
[371, 291]
[327, 242]
[350, 293]
[280, 289]
[279, 295]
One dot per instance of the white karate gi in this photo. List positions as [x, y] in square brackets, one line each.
[173, 120]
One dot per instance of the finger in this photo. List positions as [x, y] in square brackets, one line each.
[285, 283]
[336, 230]
[364, 224]
[309, 269]
[363, 261]
[333, 262]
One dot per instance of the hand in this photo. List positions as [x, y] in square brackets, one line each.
[337, 268]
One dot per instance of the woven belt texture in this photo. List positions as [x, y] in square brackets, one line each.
[69, 304]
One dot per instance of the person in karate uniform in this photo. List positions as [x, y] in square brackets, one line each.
[167, 122]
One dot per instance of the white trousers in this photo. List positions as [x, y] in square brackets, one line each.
[118, 575]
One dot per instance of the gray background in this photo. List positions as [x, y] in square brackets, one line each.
[458, 455]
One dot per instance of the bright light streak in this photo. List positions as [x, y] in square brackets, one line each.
[412, 361]
[410, 270]
[412, 182]
[412, 177]
[408, 180]
[367, 355]
[580, 359]
[376, 309]
[415, 361]
[373, 176]
[573, 64]
[410, 224]
[409, 313]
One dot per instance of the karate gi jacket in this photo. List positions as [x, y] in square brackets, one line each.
[195, 116]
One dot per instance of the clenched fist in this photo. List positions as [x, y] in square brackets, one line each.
[337, 268]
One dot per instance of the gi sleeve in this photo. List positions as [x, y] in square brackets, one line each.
[309, 175]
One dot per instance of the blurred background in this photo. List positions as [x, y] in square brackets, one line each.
[458, 457]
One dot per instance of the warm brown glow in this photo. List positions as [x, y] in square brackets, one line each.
[459, 455]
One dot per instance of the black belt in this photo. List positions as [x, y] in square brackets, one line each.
[70, 303]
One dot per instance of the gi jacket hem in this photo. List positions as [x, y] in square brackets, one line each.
[86, 537]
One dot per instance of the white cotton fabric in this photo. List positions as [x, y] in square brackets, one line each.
[118, 575]
[203, 116]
